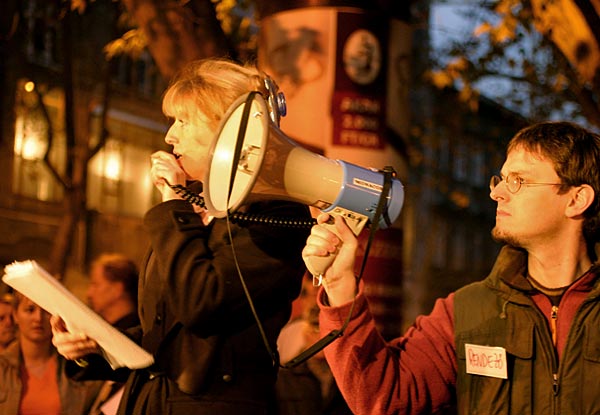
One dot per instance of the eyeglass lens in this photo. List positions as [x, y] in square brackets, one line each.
[513, 183]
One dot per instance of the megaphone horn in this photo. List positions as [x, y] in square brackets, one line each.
[252, 159]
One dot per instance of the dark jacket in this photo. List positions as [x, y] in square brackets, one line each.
[301, 392]
[196, 318]
[112, 387]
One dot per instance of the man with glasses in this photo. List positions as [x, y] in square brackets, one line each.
[526, 339]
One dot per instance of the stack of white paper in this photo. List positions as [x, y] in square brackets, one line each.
[46, 291]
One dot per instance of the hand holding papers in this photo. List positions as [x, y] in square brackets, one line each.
[34, 282]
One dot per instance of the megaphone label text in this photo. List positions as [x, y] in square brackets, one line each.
[367, 185]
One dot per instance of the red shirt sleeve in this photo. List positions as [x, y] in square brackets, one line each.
[412, 374]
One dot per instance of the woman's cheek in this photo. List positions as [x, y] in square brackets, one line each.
[194, 168]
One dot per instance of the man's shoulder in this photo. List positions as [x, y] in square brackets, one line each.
[472, 288]
[127, 321]
[9, 362]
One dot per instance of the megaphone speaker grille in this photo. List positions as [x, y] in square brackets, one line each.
[218, 195]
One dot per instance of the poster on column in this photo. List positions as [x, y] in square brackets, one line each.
[297, 49]
[358, 105]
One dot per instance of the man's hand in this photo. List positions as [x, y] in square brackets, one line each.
[339, 280]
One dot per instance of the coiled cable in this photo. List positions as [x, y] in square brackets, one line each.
[246, 218]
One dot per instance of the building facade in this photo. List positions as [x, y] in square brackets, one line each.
[65, 104]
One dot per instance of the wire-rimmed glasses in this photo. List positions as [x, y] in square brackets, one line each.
[514, 182]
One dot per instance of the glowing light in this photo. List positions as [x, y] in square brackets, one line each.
[112, 168]
[112, 161]
[29, 86]
[30, 143]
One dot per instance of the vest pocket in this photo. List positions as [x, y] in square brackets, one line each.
[585, 385]
[591, 350]
[479, 394]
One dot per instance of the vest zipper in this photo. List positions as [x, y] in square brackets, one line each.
[553, 318]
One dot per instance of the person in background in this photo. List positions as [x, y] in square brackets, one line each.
[308, 388]
[7, 324]
[210, 354]
[32, 374]
[112, 293]
[526, 339]
[113, 289]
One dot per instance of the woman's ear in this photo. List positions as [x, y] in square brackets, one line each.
[582, 198]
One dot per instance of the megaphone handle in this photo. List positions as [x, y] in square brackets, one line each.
[318, 265]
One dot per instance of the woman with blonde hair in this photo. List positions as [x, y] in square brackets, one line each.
[210, 354]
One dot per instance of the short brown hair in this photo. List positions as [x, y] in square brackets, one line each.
[119, 268]
[7, 298]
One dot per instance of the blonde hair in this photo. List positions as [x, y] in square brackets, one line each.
[210, 86]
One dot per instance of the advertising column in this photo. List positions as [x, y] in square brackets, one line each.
[342, 70]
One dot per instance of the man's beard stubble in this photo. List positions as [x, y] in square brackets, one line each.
[503, 237]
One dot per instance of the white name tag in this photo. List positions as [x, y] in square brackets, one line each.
[486, 360]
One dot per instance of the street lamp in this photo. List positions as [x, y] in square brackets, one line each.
[112, 166]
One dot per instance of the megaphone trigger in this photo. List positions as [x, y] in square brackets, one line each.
[318, 265]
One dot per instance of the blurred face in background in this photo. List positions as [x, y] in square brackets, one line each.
[102, 293]
[33, 322]
[7, 325]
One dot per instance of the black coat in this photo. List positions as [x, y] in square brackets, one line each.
[209, 354]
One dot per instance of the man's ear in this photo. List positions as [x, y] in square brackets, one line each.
[118, 287]
[582, 198]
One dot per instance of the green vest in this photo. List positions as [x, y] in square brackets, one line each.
[490, 313]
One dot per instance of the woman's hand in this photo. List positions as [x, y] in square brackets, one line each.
[166, 170]
[339, 280]
[71, 346]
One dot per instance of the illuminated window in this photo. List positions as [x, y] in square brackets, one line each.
[118, 175]
[38, 130]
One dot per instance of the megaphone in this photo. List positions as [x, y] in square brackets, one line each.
[251, 159]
